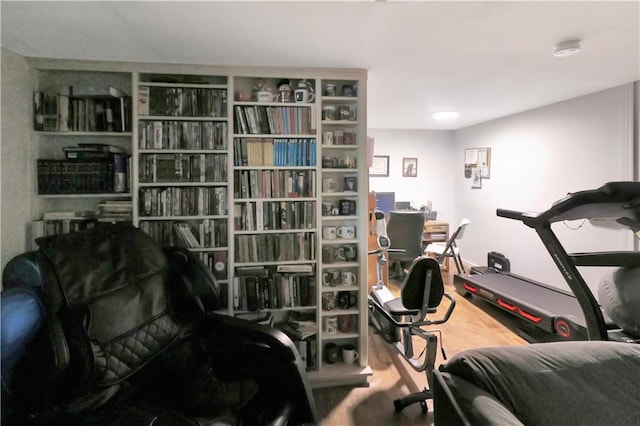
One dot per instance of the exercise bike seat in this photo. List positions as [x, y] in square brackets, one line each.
[395, 307]
[412, 297]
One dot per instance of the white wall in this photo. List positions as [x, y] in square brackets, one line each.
[537, 157]
[435, 152]
[15, 159]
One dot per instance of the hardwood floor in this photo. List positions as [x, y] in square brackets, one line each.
[470, 326]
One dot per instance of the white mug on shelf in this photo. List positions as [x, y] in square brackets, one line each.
[266, 96]
[329, 185]
[331, 325]
[349, 354]
[346, 231]
[329, 232]
[348, 278]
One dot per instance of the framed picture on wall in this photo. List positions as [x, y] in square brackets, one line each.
[379, 166]
[409, 167]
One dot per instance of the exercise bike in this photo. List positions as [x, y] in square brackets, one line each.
[399, 319]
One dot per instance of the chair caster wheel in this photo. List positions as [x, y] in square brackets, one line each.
[425, 408]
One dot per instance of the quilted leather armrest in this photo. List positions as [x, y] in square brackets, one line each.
[241, 349]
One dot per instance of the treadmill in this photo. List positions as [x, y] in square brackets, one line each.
[572, 315]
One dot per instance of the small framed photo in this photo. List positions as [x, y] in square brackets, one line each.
[409, 167]
[379, 166]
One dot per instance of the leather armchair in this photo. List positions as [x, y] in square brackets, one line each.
[104, 327]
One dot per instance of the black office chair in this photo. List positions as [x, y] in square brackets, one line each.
[404, 229]
[450, 249]
[421, 294]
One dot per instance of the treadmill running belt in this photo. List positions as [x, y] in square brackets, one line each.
[538, 303]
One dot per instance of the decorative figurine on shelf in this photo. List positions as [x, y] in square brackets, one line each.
[304, 93]
[264, 91]
[284, 87]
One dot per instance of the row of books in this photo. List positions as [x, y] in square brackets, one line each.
[274, 183]
[167, 134]
[80, 176]
[82, 113]
[273, 215]
[275, 247]
[218, 264]
[253, 293]
[207, 233]
[63, 222]
[182, 101]
[274, 152]
[164, 233]
[60, 225]
[275, 120]
[115, 210]
[184, 201]
[183, 167]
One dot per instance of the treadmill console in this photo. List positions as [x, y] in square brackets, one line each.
[498, 262]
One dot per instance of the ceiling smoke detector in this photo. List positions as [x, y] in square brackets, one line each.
[567, 48]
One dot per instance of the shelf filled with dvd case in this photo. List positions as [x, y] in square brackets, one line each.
[181, 158]
[275, 206]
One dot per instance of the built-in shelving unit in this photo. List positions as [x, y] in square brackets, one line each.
[231, 163]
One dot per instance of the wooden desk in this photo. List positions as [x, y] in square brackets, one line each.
[436, 231]
[373, 245]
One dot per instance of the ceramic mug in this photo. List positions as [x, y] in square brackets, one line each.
[329, 232]
[331, 278]
[266, 96]
[348, 253]
[329, 209]
[338, 137]
[329, 254]
[329, 162]
[327, 138]
[329, 113]
[346, 323]
[347, 112]
[328, 301]
[346, 300]
[303, 95]
[331, 352]
[348, 278]
[330, 90]
[348, 162]
[346, 231]
[349, 354]
[329, 185]
[348, 90]
[331, 325]
[347, 207]
[350, 183]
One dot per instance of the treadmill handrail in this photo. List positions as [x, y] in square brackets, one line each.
[619, 200]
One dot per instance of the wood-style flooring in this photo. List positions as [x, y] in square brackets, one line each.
[470, 326]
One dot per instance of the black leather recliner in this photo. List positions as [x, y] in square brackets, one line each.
[104, 327]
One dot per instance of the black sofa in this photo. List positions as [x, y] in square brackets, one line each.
[105, 327]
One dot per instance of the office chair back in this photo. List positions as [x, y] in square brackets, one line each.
[414, 293]
[404, 229]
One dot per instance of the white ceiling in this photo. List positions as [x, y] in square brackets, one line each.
[484, 59]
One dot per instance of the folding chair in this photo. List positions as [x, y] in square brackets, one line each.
[450, 249]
